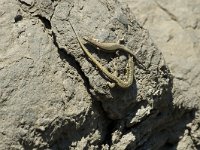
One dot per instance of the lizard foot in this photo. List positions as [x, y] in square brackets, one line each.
[122, 40]
[111, 85]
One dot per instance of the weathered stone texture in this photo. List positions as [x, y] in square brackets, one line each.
[53, 97]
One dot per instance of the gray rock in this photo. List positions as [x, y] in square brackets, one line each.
[174, 27]
[52, 96]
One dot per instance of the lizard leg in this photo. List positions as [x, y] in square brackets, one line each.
[117, 52]
[122, 40]
[111, 84]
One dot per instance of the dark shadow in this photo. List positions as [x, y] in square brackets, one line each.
[45, 21]
[161, 130]
[18, 18]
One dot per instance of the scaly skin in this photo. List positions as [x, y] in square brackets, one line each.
[111, 47]
[121, 83]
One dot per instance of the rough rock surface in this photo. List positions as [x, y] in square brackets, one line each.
[174, 26]
[53, 97]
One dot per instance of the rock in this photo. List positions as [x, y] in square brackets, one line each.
[54, 97]
[174, 27]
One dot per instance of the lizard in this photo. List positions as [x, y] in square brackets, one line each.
[111, 47]
[121, 83]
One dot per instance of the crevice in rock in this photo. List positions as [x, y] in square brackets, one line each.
[110, 128]
[72, 61]
[45, 21]
[172, 16]
[23, 2]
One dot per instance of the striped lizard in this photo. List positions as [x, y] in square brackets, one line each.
[110, 47]
[121, 83]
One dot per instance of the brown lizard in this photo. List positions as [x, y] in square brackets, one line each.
[111, 47]
[121, 83]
